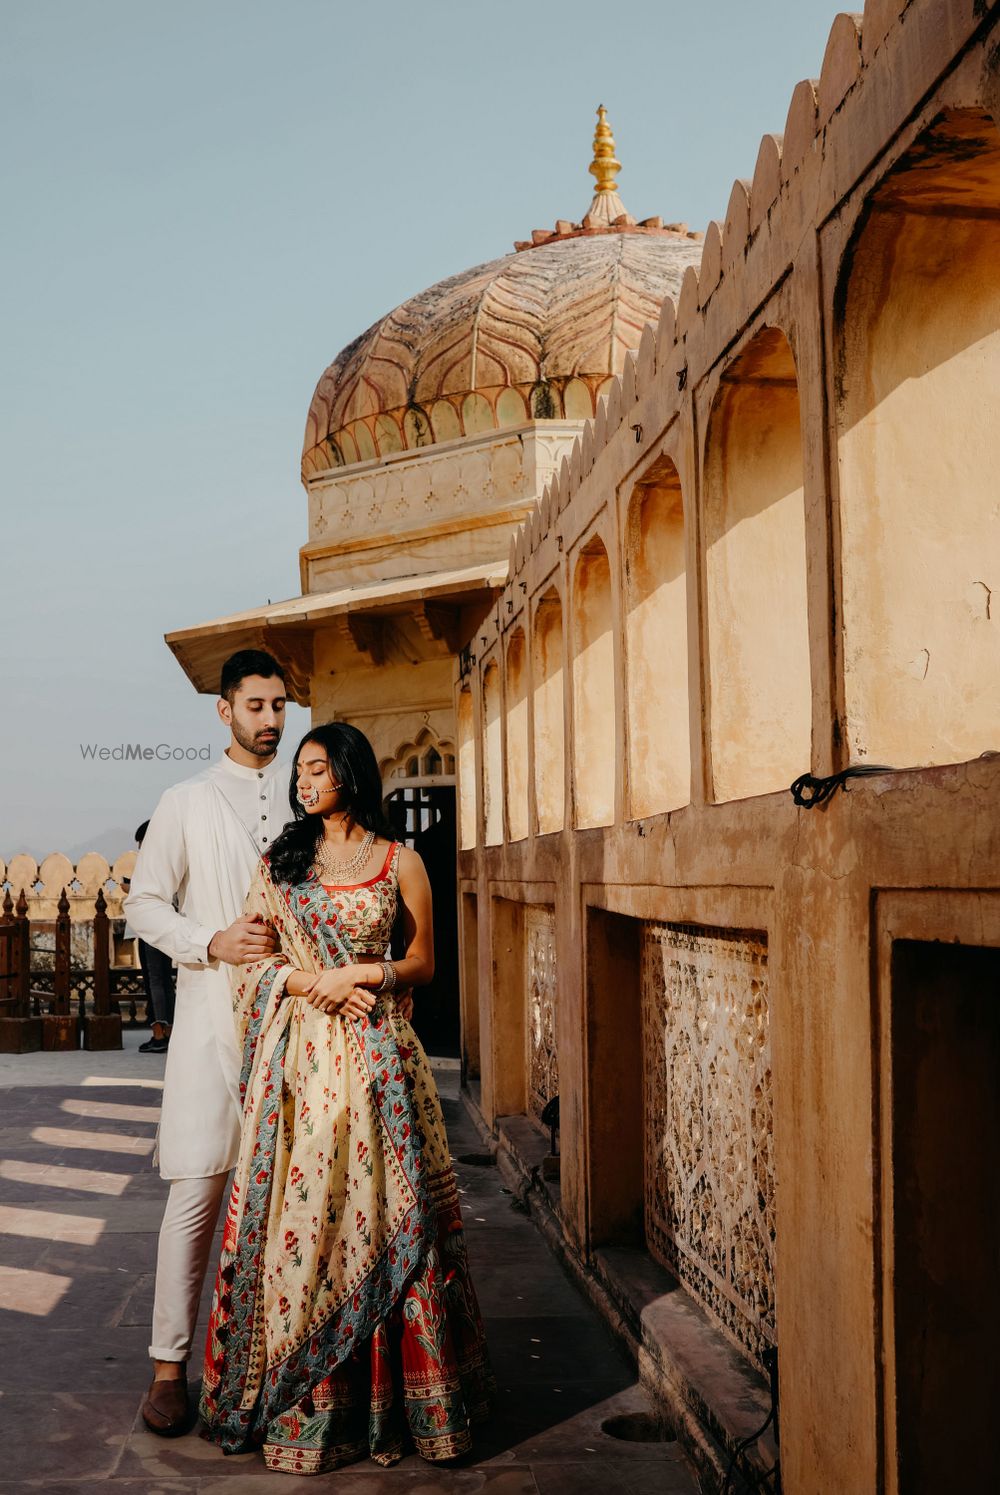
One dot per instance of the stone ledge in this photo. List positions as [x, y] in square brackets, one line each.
[708, 1393]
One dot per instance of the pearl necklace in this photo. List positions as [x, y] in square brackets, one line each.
[336, 870]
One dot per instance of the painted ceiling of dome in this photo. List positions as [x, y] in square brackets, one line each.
[532, 336]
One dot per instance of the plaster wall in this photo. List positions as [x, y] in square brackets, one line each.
[919, 453]
[389, 704]
[850, 505]
[657, 646]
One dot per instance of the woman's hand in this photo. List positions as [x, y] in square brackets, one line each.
[337, 991]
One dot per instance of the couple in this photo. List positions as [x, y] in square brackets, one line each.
[344, 1320]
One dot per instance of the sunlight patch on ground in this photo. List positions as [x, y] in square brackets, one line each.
[53, 1176]
[36, 1293]
[64, 1136]
[120, 1084]
[108, 1111]
[47, 1225]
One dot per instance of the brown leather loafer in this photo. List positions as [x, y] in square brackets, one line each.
[165, 1410]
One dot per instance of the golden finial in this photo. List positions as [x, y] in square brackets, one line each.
[607, 205]
[604, 166]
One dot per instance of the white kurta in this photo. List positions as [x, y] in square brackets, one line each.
[203, 844]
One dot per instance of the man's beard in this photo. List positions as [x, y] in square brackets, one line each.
[251, 742]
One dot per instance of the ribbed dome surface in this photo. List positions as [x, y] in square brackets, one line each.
[531, 336]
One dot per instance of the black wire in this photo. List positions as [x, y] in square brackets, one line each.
[755, 1478]
[808, 791]
[727, 1483]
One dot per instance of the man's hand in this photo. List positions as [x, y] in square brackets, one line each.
[404, 1004]
[246, 939]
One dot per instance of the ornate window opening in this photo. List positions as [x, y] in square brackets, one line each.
[709, 1189]
[540, 986]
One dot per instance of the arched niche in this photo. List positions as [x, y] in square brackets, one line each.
[593, 688]
[755, 560]
[517, 737]
[466, 770]
[656, 661]
[548, 729]
[918, 394]
[492, 755]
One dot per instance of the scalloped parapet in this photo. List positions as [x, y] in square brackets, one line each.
[801, 124]
[44, 882]
[766, 180]
[841, 64]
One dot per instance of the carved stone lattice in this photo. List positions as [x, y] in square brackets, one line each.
[540, 982]
[709, 1159]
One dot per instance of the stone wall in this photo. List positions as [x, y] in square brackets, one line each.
[773, 552]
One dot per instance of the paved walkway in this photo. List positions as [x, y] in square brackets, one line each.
[79, 1210]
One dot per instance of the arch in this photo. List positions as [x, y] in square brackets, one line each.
[594, 688]
[492, 756]
[577, 401]
[466, 770]
[365, 441]
[548, 721]
[545, 402]
[445, 421]
[918, 446]
[758, 636]
[477, 414]
[427, 758]
[417, 428]
[348, 448]
[517, 737]
[387, 435]
[511, 409]
[657, 644]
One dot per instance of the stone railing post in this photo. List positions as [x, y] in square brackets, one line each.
[60, 1026]
[20, 1031]
[102, 1029]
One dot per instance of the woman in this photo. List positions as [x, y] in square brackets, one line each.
[344, 1318]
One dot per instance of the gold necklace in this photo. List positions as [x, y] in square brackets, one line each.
[336, 870]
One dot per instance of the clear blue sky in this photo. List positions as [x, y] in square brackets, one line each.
[204, 201]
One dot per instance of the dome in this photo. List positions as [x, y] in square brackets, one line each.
[534, 335]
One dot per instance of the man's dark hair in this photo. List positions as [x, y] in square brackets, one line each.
[141, 832]
[247, 662]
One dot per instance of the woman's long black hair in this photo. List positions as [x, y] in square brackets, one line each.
[355, 769]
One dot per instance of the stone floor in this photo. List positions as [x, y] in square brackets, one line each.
[79, 1209]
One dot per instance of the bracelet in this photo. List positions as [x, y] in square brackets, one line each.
[388, 982]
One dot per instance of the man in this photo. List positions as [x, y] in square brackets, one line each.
[202, 847]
